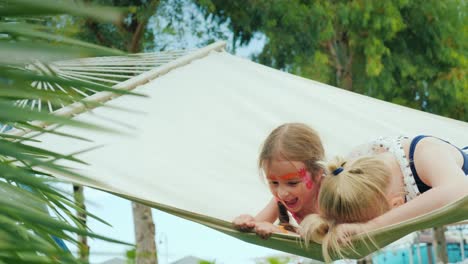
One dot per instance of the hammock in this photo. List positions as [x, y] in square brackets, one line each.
[190, 149]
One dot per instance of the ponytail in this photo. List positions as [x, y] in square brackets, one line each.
[350, 192]
[322, 231]
[314, 228]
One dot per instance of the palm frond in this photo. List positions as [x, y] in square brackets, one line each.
[27, 8]
[30, 90]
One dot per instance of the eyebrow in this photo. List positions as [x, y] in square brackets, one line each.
[287, 176]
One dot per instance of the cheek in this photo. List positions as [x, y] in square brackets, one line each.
[308, 194]
[273, 190]
[299, 191]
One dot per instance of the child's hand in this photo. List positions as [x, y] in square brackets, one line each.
[265, 229]
[346, 231]
[244, 223]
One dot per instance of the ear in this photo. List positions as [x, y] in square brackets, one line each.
[396, 201]
[317, 176]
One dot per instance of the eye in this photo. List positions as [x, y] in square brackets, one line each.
[273, 183]
[293, 183]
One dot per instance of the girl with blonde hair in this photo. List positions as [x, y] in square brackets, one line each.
[390, 181]
[289, 160]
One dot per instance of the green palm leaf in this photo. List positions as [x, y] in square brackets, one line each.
[23, 8]
[32, 208]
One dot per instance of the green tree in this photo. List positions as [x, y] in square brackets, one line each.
[408, 52]
[170, 25]
[28, 192]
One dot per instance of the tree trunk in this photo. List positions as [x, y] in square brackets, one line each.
[83, 247]
[144, 234]
[342, 60]
[440, 245]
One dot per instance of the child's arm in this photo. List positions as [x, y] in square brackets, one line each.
[432, 199]
[437, 167]
[269, 214]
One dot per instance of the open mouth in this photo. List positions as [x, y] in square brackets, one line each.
[291, 203]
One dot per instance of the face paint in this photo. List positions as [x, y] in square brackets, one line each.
[306, 177]
[302, 173]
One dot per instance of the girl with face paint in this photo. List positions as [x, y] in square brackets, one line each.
[289, 161]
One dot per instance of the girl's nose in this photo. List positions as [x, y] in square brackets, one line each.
[283, 192]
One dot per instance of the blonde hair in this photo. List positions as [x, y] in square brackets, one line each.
[293, 142]
[349, 193]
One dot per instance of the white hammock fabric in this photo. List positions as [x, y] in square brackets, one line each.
[191, 149]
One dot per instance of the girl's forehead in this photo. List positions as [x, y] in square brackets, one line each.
[285, 170]
[283, 166]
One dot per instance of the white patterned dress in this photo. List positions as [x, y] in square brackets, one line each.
[392, 145]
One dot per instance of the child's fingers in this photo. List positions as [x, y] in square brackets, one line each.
[250, 224]
[246, 227]
[244, 223]
[264, 230]
[264, 234]
[345, 232]
[243, 219]
[243, 228]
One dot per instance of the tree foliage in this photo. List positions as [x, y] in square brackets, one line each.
[129, 35]
[410, 52]
[155, 25]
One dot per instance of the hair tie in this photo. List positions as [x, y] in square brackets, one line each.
[337, 171]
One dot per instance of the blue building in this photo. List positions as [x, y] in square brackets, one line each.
[424, 256]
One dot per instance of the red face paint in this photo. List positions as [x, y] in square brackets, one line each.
[302, 173]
